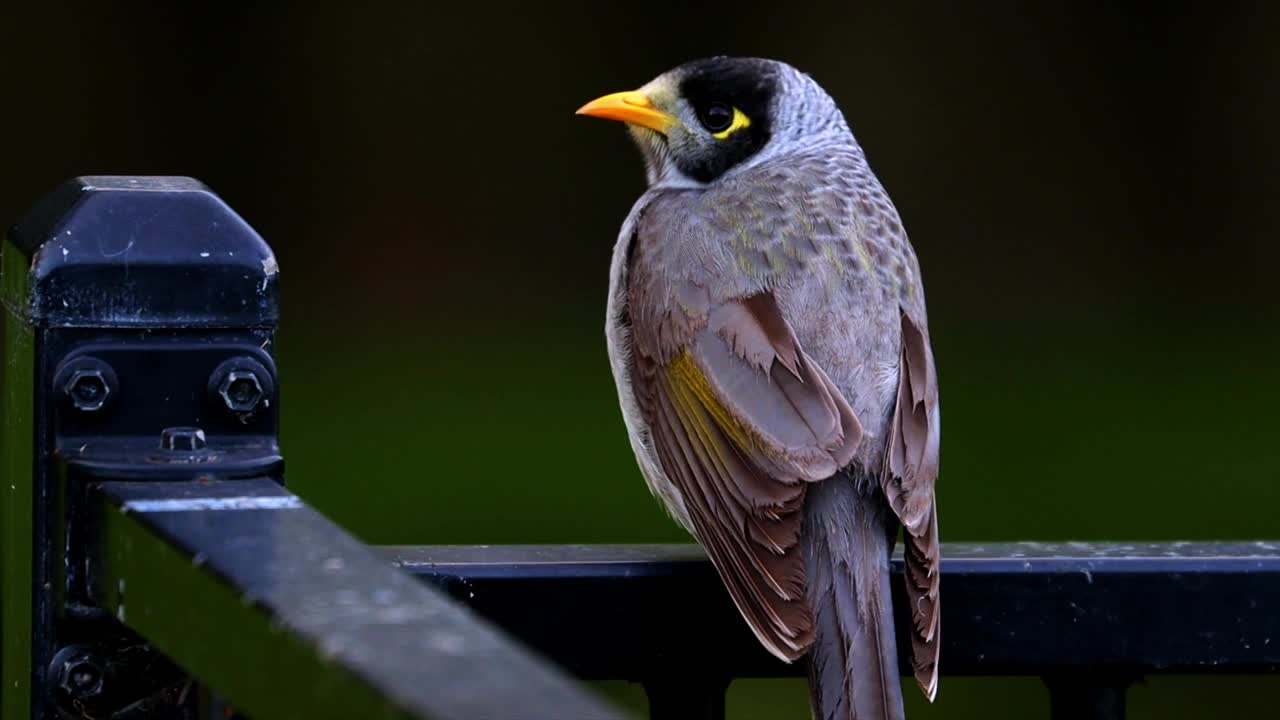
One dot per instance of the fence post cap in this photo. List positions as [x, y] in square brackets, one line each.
[125, 251]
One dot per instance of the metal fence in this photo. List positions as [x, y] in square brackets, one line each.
[155, 566]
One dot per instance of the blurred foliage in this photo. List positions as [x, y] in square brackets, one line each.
[1088, 186]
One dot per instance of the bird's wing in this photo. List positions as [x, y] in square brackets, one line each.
[741, 419]
[910, 472]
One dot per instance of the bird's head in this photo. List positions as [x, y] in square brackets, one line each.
[708, 118]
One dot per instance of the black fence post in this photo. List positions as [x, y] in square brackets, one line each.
[152, 556]
[105, 283]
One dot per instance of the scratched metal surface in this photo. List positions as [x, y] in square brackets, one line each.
[143, 252]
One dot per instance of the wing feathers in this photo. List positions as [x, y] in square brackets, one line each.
[791, 405]
[911, 470]
[742, 420]
[765, 592]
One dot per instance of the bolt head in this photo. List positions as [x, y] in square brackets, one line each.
[241, 391]
[88, 389]
[81, 677]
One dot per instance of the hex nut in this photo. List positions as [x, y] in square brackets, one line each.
[88, 389]
[88, 383]
[81, 677]
[241, 391]
[243, 385]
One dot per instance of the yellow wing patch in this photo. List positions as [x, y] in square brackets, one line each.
[687, 380]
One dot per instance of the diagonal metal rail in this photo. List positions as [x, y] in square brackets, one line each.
[261, 597]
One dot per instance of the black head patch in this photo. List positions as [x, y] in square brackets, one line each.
[747, 84]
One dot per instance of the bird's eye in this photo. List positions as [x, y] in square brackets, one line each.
[716, 117]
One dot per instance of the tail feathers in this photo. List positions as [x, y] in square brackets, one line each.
[853, 668]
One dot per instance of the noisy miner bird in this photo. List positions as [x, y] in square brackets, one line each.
[766, 327]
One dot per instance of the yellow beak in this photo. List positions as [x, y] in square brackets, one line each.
[629, 107]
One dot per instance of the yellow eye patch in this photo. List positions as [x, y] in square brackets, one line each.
[740, 120]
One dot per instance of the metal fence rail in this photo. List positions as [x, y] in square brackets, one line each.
[264, 599]
[1089, 618]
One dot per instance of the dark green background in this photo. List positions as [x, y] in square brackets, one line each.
[1091, 190]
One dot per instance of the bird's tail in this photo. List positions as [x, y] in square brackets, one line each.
[853, 667]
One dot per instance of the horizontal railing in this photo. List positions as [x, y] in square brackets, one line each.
[1088, 617]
